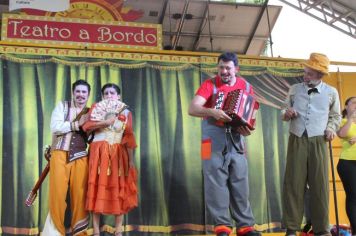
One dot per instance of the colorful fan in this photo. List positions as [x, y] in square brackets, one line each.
[106, 108]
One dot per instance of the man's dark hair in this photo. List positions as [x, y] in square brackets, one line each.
[110, 85]
[80, 82]
[229, 56]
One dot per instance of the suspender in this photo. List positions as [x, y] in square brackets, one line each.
[248, 87]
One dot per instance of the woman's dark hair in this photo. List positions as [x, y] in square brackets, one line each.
[80, 82]
[344, 112]
[110, 85]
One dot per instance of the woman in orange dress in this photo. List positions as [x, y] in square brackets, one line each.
[112, 182]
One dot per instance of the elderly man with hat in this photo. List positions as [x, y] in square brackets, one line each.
[313, 109]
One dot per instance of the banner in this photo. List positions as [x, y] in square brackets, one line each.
[45, 5]
[83, 33]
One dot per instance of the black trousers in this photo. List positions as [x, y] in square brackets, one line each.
[347, 173]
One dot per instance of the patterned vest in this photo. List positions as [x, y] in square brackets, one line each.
[77, 139]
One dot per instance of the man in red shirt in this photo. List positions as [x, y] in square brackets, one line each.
[224, 164]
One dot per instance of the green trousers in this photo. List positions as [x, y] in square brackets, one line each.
[307, 163]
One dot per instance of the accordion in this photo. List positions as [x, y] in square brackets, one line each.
[241, 106]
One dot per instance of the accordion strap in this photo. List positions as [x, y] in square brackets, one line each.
[215, 91]
[248, 87]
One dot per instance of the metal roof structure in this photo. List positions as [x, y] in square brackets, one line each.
[212, 26]
[339, 14]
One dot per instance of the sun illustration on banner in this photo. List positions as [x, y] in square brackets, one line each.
[106, 10]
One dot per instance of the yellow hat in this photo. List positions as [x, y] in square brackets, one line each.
[318, 62]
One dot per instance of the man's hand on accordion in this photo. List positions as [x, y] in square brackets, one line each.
[220, 115]
[243, 130]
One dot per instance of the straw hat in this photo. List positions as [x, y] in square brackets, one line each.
[318, 62]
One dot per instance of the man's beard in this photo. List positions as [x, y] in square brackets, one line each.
[80, 100]
[226, 79]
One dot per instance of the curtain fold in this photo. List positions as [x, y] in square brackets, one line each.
[2, 77]
[168, 154]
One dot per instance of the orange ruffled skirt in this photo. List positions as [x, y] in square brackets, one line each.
[112, 183]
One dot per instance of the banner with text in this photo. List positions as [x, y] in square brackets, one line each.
[44, 5]
[52, 31]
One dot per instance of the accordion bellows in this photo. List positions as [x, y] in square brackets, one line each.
[106, 108]
[242, 107]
